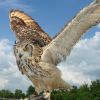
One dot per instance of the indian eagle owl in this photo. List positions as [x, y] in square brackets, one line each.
[37, 54]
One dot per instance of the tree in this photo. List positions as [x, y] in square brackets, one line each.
[31, 90]
[23, 95]
[18, 93]
[6, 94]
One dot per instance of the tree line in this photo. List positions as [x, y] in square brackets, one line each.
[18, 93]
[84, 92]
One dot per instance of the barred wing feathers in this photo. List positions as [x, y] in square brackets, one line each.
[25, 28]
[61, 46]
[27, 19]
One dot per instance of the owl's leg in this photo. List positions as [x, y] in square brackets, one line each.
[45, 91]
[46, 95]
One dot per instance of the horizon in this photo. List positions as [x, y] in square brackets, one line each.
[51, 16]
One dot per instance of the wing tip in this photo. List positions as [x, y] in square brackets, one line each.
[20, 14]
[28, 20]
[13, 10]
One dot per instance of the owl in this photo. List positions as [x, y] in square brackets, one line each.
[37, 55]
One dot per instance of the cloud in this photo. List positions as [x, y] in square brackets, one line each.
[83, 64]
[15, 4]
[3, 82]
[10, 77]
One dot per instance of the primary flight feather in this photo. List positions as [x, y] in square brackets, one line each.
[37, 54]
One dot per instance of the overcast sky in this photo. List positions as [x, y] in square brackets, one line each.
[83, 64]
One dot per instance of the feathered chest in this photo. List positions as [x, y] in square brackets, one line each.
[27, 57]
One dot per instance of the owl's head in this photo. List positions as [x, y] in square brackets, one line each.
[23, 51]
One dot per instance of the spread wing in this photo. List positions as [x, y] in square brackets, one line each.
[61, 46]
[25, 28]
[25, 18]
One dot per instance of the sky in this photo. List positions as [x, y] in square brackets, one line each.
[83, 64]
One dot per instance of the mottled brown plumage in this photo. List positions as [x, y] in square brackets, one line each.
[38, 60]
[31, 40]
[26, 29]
